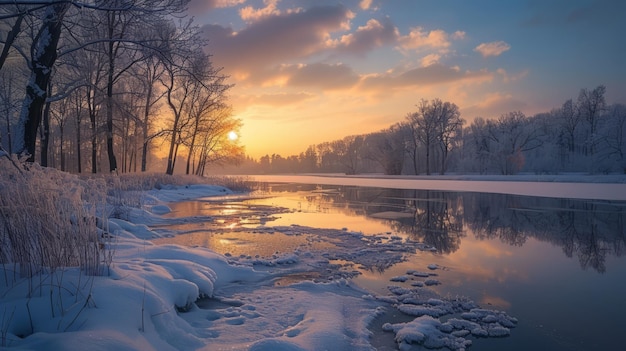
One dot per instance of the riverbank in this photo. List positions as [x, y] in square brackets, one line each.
[573, 186]
[151, 296]
[173, 297]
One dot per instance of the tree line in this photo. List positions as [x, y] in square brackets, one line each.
[101, 85]
[583, 135]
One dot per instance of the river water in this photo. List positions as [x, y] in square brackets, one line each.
[556, 264]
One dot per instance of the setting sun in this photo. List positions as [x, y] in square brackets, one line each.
[232, 135]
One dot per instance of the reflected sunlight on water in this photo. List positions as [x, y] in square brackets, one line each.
[558, 265]
[246, 243]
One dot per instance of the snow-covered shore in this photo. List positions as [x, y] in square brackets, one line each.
[573, 186]
[150, 300]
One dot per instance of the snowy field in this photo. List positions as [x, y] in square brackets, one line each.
[167, 297]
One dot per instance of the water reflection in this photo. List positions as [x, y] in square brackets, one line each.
[589, 230]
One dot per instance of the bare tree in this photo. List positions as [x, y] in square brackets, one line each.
[149, 73]
[122, 21]
[350, 156]
[591, 104]
[215, 146]
[513, 134]
[434, 123]
[206, 103]
[616, 135]
[569, 120]
[43, 55]
[450, 124]
[9, 103]
[388, 148]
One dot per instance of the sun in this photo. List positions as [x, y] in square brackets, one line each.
[232, 135]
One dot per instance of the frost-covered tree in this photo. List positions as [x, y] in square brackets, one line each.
[308, 159]
[569, 117]
[10, 98]
[615, 136]
[512, 134]
[387, 148]
[122, 24]
[348, 153]
[477, 146]
[433, 125]
[591, 104]
[41, 60]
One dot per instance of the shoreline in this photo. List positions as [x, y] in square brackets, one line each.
[574, 188]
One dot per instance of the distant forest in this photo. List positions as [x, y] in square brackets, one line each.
[583, 135]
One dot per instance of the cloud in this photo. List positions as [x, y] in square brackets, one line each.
[435, 74]
[201, 6]
[418, 39]
[495, 48]
[430, 60]
[374, 34]
[251, 14]
[275, 39]
[493, 105]
[507, 78]
[365, 4]
[438, 74]
[321, 75]
[458, 35]
[277, 100]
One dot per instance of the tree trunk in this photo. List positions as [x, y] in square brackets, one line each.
[94, 142]
[61, 141]
[428, 158]
[45, 135]
[11, 35]
[43, 57]
[192, 145]
[78, 155]
[109, 124]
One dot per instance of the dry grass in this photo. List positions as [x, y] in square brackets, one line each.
[51, 219]
[48, 221]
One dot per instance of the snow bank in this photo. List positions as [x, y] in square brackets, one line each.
[148, 300]
[151, 298]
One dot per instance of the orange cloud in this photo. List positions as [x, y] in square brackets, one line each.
[276, 100]
[374, 34]
[495, 48]
[251, 14]
[275, 38]
[200, 6]
[418, 39]
[430, 60]
[321, 75]
[365, 4]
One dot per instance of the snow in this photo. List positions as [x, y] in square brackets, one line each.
[574, 186]
[170, 297]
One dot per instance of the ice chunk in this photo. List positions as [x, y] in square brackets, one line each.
[426, 331]
[418, 273]
[400, 278]
[431, 282]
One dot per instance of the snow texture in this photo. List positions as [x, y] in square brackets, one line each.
[169, 297]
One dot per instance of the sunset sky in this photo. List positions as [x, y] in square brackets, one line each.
[306, 72]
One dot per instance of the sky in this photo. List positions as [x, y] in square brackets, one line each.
[307, 72]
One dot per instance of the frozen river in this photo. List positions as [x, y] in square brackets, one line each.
[555, 263]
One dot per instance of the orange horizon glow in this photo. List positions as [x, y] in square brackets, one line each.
[307, 74]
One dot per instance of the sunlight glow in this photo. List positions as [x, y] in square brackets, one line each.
[232, 135]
